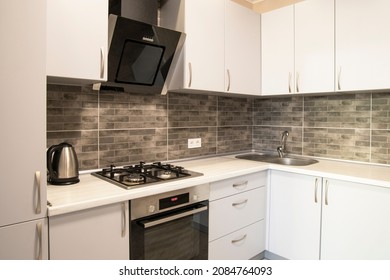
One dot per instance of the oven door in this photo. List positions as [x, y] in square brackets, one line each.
[181, 234]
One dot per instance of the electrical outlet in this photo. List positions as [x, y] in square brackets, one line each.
[194, 143]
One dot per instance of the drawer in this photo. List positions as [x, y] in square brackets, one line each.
[234, 212]
[239, 245]
[236, 185]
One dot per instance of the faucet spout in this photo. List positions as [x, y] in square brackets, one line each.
[282, 148]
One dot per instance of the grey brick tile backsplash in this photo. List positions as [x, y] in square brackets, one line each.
[125, 128]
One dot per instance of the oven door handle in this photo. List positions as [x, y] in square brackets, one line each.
[173, 217]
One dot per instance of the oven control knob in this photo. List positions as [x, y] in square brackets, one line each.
[195, 197]
[152, 209]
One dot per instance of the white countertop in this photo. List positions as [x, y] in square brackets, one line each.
[92, 191]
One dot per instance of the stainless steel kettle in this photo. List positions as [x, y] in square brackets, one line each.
[62, 165]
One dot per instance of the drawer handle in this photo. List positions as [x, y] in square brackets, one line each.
[239, 203]
[241, 185]
[239, 239]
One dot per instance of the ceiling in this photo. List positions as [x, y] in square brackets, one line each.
[263, 6]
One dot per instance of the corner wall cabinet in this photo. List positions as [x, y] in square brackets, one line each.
[321, 218]
[92, 234]
[77, 38]
[237, 217]
[222, 48]
[298, 48]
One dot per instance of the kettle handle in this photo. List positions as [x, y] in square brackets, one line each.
[49, 159]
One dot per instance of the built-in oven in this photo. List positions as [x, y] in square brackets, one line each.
[171, 225]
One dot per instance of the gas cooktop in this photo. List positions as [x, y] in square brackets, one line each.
[143, 174]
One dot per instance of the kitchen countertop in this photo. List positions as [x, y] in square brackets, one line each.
[92, 191]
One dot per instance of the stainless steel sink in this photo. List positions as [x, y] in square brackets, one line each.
[278, 160]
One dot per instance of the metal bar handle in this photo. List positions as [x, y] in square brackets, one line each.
[39, 241]
[190, 74]
[316, 191]
[228, 75]
[240, 185]
[297, 81]
[124, 219]
[289, 82]
[339, 79]
[173, 217]
[239, 239]
[239, 203]
[102, 63]
[326, 192]
[38, 207]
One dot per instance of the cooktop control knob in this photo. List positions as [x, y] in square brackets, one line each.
[152, 209]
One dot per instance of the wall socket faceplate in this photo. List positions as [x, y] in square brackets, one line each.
[194, 143]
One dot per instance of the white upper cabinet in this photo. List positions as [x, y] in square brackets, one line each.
[201, 62]
[277, 31]
[222, 48]
[77, 39]
[362, 44]
[242, 50]
[298, 48]
[314, 46]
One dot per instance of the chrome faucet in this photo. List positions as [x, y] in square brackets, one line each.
[282, 148]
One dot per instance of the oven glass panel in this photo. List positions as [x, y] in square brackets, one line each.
[184, 238]
[139, 63]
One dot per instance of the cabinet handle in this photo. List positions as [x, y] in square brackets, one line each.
[289, 82]
[297, 81]
[102, 63]
[39, 241]
[339, 79]
[239, 239]
[228, 75]
[190, 72]
[124, 221]
[239, 203]
[241, 185]
[316, 191]
[326, 192]
[38, 208]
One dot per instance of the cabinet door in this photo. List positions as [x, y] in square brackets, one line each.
[362, 44]
[355, 221]
[204, 46]
[24, 241]
[277, 48]
[242, 50]
[77, 38]
[98, 233]
[295, 215]
[23, 111]
[314, 46]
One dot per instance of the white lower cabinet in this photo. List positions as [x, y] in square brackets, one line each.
[321, 218]
[237, 217]
[92, 234]
[295, 216]
[24, 241]
[355, 221]
[239, 245]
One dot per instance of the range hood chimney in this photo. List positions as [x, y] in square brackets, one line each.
[140, 10]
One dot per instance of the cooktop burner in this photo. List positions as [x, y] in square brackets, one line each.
[142, 174]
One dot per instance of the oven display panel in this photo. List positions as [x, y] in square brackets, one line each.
[172, 201]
